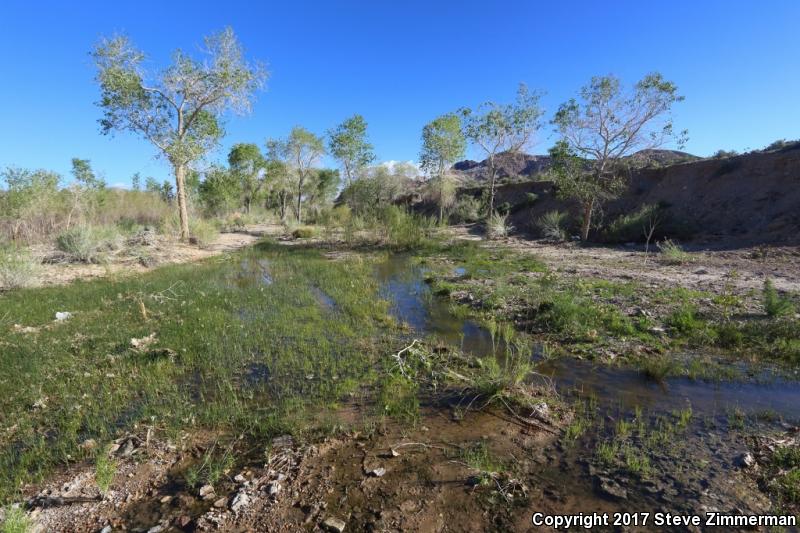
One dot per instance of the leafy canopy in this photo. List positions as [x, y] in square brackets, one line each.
[179, 109]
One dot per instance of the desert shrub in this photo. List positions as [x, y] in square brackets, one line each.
[17, 267]
[89, 244]
[203, 231]
[633, 227]
[722, 154]
[304, 232]
[673, 254]
[467, 209]
[552, 226]
[402, 229]
[497, 226]
[774, 304]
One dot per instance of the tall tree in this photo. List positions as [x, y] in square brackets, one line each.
[497, 128]
[301, 151]
[348, 144]
[608, 123]
[179, 110]
[248, 166]
[443, 143]
[136, 181]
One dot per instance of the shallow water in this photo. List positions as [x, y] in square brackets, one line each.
[618, 388]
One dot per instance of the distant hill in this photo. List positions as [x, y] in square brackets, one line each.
[512, 167]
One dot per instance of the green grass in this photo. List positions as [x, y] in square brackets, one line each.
[248, 355]
[105, 468]
[15, 521]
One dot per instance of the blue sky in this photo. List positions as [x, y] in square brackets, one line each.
[400, 64]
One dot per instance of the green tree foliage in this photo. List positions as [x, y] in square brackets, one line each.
[179, 110]
[220, 190]
[378, 187]
[348, 144]
[248, 165]
[27, 195]
[85, 176]
[497, 128]
[136, 182]
[300, 152]
[443, 143]
[608, 123]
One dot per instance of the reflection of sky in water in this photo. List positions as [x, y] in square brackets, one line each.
[413, 303]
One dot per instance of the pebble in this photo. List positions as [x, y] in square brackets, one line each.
[206, 492]
[106, 529]
[166, 499]
[334, 524]
[222, 502]
[377, 472]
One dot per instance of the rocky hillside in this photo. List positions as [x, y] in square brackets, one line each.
[743, 200]
[516, 167]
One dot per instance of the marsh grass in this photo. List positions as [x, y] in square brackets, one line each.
[81, 378]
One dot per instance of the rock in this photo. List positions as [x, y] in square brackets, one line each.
[701, 271]
[273, 488]
[334, 524]
[377, 472]
[239, 478]
[541, 411]
[156, 529]
[241, 501]
[63, 315]
[746, 460]
[106, 529]
[609, 487]
[166, 499]
[221, 503]
[207, 492]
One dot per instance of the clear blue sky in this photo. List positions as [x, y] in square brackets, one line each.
[400, 64]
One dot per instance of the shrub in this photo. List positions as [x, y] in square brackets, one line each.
[684, 320]
[89, 244]
[551, 225]
[633, 227]
[304, 232]
[467, 209]
[404, 230]
[17, 268]
[774, 305]
[202, 231]
[497, 226]
[673, 254]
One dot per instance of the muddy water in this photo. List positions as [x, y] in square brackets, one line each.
[697, 475]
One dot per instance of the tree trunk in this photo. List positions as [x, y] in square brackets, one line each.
[299, 201]
[180, 182]
[492, 179]
[588, 207]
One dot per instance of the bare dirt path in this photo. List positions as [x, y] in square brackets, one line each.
[163, 252]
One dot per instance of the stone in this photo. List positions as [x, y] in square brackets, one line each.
[106, 529]
[334, 524]
[166, 499]
[609, 487]
[273, 488]
[241, 501]
[221, 503]
[746, 460]
[207, 492]
[377, 472]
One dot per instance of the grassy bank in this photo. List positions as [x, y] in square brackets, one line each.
[617, 321]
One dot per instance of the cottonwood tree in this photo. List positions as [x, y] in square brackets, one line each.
[348, 144]
[278, 183]
[179, 109]
[248, 165]
[496, 128]
[301, 151]
[606, 124]
[443, 143]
